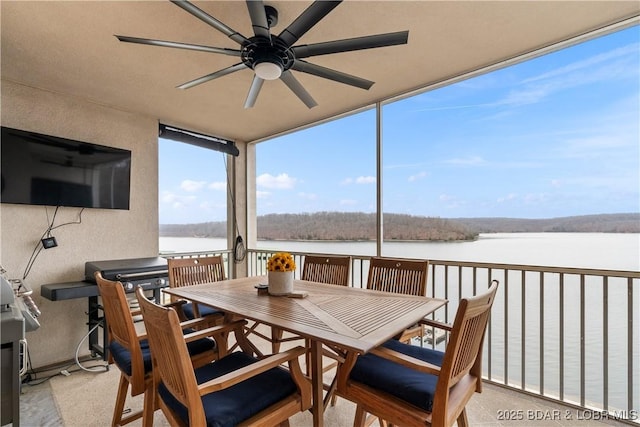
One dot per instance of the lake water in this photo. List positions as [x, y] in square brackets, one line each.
[607, 251]
[583, 250]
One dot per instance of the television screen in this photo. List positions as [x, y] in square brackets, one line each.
[40, 169]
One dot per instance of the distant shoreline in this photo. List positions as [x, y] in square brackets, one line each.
[360, 227]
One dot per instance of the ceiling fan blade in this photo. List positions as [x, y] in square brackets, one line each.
[208, 19]
[346, 45]
[163, 43]
[307, 19]
[212, 76]
[330, 74]
[297, 88]
[254, 90]
[258, 18]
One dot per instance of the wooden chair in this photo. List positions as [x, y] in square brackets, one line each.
[403, 276]
[130, 351]
[237, 389]
[408, 385]
[333, 270]
[195, 271]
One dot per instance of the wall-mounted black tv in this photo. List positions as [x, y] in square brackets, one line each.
[41, 169]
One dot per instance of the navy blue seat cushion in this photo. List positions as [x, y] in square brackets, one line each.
[203, 309]
[235, 404]
[400, 381]
[122, 356]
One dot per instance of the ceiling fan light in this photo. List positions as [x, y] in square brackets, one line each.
[268, 70]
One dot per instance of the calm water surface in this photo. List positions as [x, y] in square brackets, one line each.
[584, 250]
[608, 251]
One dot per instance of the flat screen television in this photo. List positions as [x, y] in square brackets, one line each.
[41, 169]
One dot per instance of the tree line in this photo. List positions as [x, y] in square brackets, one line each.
[353, 226]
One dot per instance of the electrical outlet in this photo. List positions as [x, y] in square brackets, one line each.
[49, 242]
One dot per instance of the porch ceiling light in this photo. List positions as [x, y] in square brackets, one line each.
[268, 70]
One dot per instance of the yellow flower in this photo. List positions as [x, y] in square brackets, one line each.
[281, 261]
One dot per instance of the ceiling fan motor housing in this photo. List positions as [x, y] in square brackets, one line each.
[259, 50]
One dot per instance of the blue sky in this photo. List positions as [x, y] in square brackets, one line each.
[555, 136]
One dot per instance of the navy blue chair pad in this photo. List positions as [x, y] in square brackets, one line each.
[231, 406]
[203, 309]
[122, 356]
[407, 384]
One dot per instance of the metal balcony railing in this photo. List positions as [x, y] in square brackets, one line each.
[565, 334]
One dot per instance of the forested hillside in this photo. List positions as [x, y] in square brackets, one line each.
[605, 223]
[361, 226]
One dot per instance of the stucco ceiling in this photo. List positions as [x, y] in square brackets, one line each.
[70, 48]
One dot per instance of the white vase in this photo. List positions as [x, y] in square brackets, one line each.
[280, 282]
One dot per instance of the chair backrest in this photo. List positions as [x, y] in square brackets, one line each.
[172, 364]
[327, 269]
[463, 354]
[121, 328]
[403, 276]
[195, 271]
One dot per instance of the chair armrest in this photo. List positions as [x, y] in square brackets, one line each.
[242, 374]
[174, 304]
[214, 330]
[437, 324]
[408, 361]
[194, 323]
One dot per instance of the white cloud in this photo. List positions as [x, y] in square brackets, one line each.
[617, 63]
[468, 161]
[219, 185]
[191, 186]
[167, 197]
[176, 201]
[508, 197]
[347, 181]
[417, 176]
[366, 180]
[281, 182]
[606, 58]
[359, 180]
[262, 194]
[534, 199]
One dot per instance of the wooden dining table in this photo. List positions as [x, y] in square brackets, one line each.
[352, 319]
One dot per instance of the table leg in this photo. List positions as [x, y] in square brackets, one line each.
[317, 383]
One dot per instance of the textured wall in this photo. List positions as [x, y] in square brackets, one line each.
[102, 234]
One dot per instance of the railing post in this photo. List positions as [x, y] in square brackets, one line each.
[582, 344]
[523, 347]
[630, 346]
[605, 343]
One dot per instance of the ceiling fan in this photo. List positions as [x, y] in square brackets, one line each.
[273, 56]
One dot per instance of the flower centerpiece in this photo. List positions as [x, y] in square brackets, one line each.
[280, 269]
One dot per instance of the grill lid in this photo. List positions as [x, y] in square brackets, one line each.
[119, 269]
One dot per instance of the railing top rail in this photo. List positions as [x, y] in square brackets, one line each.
[499, 266]
[194, 253]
